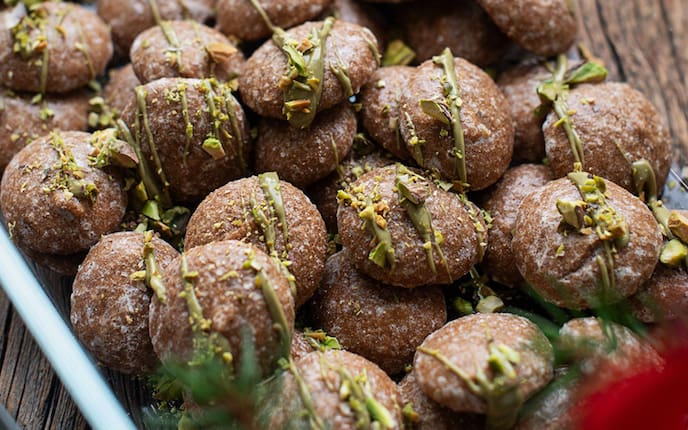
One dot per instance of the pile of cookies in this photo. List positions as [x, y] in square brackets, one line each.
[305, 171]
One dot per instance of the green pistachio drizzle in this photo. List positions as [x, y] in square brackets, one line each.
[415, 142]
[206, 343]
[270, 185]
[82, 46]
[262, 281]
[68, 176]
[554, 93]
[501, 393]
[152, 275]
[479, 218]
[372, 209]
[448, 112]
[412, 193]
[593, 214]
[314, 420]
[302, 82]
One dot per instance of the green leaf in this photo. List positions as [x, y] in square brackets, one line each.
[587, 73]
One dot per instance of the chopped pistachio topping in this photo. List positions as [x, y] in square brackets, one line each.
[302, 82]
[368, 411]
[30, 39]
[372, 210]
[68, 175]
[489, 305]
[412, 191]
[678, 225]
[397, 54]
[108, 150]
[602, 219]
[480, 218]
[213, 147]
[673, 253]
[415, 142]
[501, 392]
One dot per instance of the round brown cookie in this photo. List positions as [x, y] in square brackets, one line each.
[236, 210]
[567, 267]
[663, 297]
[435, 240]
[554, 407]
[617, 126]
[348, 47]
[430, 415]
[461, 25]
[303, 157]
[120, 88]
[361, 159]
[502, 201]
[379, 322]
[546, 27]
[185, 49]
[379, 113]
[342, 388]
[128, 18]
[55, 201]
[470, 344]
[109, 306]
[56, 47]
[62, 265]
[484, 116]
[239, 292]
[239, 18]
[519, 85]
[593, 342]
[22, 121]
[199, 130]
[362, 14]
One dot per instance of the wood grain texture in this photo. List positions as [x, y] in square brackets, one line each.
[644, 42]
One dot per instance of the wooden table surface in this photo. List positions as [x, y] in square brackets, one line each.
[643, 42]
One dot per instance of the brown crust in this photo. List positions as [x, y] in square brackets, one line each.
[120, 87]
[594, 343]
[379, 322]
[572, 280]
[150, 53]
[240, 19]
[302, 157]
[109, 310]
[348, 43]
[21, 123]
[225, 214]
[68, 26]
[432, 415]
[365, 15]
[607, 115]
[502, 202]
[128, 18]
[546, 27]
[464, 342]
[450, 218]
[48, 222]
[379, 114]
[231, 304]
[461, 25]
[318, 371]
[485, 119]
[194, 175]
[663, 297]
[519, 85]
